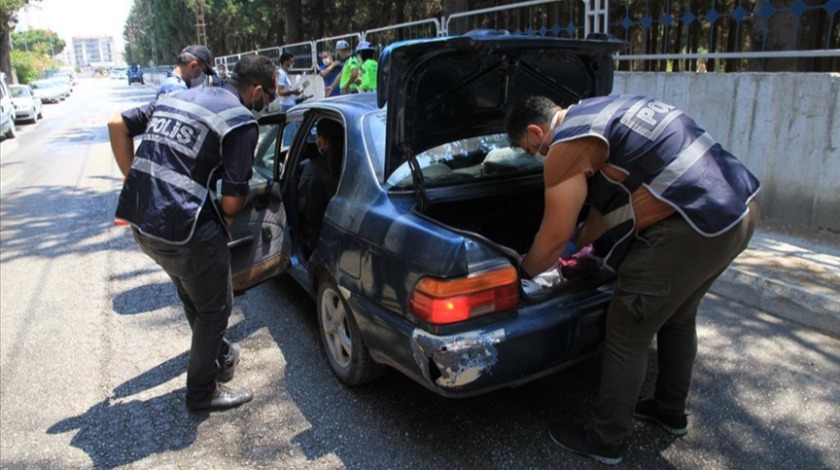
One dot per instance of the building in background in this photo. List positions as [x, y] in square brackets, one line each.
[94, 51]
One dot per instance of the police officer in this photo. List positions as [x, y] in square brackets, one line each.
[191, 140]
[669, 209]
[194, 62]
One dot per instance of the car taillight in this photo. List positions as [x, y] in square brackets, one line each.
[442, 301]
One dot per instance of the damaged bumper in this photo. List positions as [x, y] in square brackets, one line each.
[538, 340]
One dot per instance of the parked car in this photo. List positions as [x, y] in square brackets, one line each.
[63, 84]
[417, 260]
[27, 106]
[66, 79]
[7, 116]
[47, 91]
[135, 75]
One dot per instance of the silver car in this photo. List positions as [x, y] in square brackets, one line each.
[27, 106]
[47, 91]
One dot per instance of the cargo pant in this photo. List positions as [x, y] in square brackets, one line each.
[661, 282]
[200, 270]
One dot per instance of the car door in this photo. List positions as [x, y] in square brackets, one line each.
[260, 246]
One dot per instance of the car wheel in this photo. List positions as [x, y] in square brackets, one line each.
[40, 115]
[12, 132]
[348, 356]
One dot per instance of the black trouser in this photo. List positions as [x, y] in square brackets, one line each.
[200, 270]
[661, 282]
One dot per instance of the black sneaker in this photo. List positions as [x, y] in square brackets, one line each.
[229, 367]
[647, 410]
[581, 441]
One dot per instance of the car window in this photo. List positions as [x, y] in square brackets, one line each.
[264, 155]
[374, 129]
[20, 92]
[467, 161]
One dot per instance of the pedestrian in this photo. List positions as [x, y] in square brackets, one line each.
[194, 62]
[350, 66]
[284, 85]
[191, 140]
[669, 209]
[369, 68]
[329, 70]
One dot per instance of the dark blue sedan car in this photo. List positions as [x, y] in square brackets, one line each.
[415, 264]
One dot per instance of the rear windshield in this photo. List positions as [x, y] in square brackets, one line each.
[463, 161]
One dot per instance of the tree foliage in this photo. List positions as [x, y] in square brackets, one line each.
[8, 19]
[39, 41]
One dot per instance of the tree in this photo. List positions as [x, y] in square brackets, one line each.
[39, 41]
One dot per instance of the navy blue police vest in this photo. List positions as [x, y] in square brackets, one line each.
[174, 165]
[662, 149]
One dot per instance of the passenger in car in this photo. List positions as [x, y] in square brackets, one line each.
[319, 180]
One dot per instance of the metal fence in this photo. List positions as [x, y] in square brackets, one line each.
[661, 35]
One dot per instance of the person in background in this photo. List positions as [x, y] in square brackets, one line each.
[319, 180]
[670, 208]
[330, 70]
[284, 86]
[369, 68]
[192, 140]
[194, 62]
[350, 64]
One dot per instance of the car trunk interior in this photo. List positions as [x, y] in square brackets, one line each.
[510, 221]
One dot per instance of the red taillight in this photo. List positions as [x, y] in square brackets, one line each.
[449, 301]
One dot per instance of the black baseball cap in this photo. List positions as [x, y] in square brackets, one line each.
[204, 54]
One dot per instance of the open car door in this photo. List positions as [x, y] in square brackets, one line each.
[260, 246]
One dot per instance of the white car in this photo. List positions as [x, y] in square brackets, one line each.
[7, 117]
[48, 91]
[27, 106]
[63, 84]
[119, 73]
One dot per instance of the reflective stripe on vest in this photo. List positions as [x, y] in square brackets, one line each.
[657, 146]
[174, 166]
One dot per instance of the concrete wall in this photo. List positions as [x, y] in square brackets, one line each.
[784, 126]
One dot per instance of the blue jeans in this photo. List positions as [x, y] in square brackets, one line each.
[200, 270]
[661, 282]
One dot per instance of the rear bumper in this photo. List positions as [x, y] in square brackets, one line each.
[538, 340]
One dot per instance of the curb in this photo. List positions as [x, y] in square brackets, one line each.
[812, 309]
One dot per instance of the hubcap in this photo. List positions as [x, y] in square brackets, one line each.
[336, 330]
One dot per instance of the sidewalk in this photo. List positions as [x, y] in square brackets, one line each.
[795, 276]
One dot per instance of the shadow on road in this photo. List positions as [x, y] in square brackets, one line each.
[51, 221]
[118, 433]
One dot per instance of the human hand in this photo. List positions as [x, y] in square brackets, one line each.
[328, 91]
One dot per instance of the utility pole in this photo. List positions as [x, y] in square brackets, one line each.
[200, 26]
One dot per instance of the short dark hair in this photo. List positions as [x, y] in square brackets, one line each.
[285, 56]
[527, 111]
[254, 70]
[185, 58]
[331, 130]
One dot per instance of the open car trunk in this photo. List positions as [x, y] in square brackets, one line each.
[508, 222]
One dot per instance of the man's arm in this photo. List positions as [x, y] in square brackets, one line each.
[121, 143]
[563, 203]
[237, 162]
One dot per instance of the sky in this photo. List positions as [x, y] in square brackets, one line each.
[71, 18]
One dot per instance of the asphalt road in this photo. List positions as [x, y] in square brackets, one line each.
[93, 351]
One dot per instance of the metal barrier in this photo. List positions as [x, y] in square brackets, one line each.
[272, 53]
[422, 29]
[304, 54]
[550, 18]
[665, 35]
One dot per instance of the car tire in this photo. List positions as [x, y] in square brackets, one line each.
[12, 132]
[346, 352]
[40, 115]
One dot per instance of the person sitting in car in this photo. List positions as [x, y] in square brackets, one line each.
[319, 180]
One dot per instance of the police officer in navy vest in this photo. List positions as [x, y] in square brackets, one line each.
[669, 208]
[190, 141]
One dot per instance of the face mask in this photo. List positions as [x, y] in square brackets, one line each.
[547, 138]
[326, 61]
[257, 111]
[197, 81]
